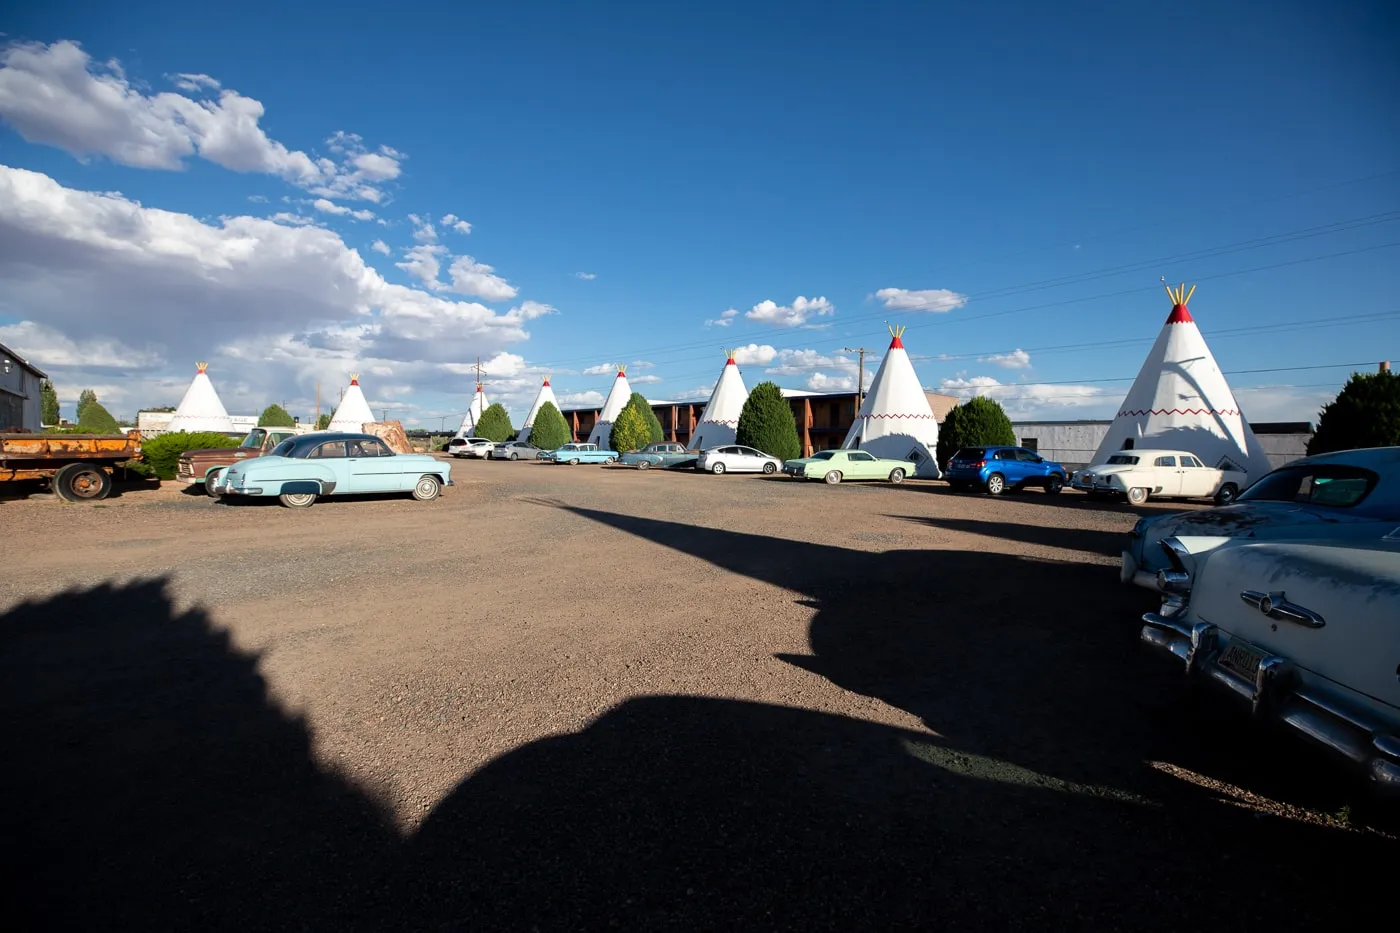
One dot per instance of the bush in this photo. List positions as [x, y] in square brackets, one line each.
[550, 431]
[630, 430]
[766, 423]
[1366, 413]
[494, 424]
[275, 416]
[653, 423]
[323, 422]
[163, 452]
[977, 422]
[97, 420]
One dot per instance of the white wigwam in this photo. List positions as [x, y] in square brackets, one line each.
[616, 401]
[896, 420]
[546, 395]
[474, 413]
[353, 411]
[200, 409]
[1181, 401]
[720, 421]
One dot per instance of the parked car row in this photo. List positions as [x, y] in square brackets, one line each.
[1286, 604]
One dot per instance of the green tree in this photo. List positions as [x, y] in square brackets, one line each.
[95, 419]
[323, 422]
[494, 424]
[653, 423]
[766, 423]
[275, 416]
[162, 453]
[85, 398]
[550, 431]
[48, 403]
[975, 423]
[1366, 413]
[161, 408]
[630, 430]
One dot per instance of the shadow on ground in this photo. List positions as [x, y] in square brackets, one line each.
[151, 783]
[1093, 541]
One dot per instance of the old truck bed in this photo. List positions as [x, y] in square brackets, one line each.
[43, 456]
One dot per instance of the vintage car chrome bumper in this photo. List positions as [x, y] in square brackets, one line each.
[1277, 695]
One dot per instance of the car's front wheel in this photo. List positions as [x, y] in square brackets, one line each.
[211, 483]
[1227, 494]
[1055, 484]
[297, 500]
[427, 488]
[513, 456]
[78, 482]
[770, 468]
[643, 465]
[1137, 495]
[718, 468]
[996, 484]
[833, 477]
[573, 461]
[896, 476]
[610, 460]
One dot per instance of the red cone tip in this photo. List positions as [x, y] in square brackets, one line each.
[621, 374]
[546, 382]
[730, 362]
[1180, 315]
[354, 382]
[896, 344]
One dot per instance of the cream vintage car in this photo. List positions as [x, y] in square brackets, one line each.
[1138, 475]
[1303, 634]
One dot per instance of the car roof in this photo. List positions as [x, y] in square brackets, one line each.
[1370, 457]
[303, 441]
[1155, 451]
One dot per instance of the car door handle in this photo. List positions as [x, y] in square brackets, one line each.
[1276, 606]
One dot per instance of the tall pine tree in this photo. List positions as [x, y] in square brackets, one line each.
[766, 423]
[550, 431]
[48, 403]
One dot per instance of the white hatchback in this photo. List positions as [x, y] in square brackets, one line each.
[735, 458]
[470, 447]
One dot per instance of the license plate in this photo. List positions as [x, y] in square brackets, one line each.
[1241, 659]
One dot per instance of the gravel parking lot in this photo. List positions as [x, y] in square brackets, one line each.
[574, 697]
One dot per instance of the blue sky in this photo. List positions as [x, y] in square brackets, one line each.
[1030, 170]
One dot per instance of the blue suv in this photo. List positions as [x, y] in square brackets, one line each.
[997, 469]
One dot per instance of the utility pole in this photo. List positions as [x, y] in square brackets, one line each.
[860, 379]
[318, 401]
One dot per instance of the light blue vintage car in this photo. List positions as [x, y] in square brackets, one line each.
[301, 469]
[580, 453]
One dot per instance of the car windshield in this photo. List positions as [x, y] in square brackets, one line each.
[254, 439]
[282, 449]
[824, 455]
[971, 453]
[1122, 460]
[1333, 485]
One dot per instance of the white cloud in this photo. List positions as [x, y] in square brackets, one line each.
[582, 399]
[754, 353]
[724, 320]
[1016, 359]
[1272, 403]
[379, 246]
[295, 220]
[1027, 400]
[936, 300]
[797, 362]
[453, 222]
[470, 277]
[699, 393]
[377, 166]
[821, 382]
[195, 82]
[423, 231]
[641, 364]
[422, 262]
[107, 284]
[56, 95]
[644, 380]
[586, 276]
[330, 207]
[602, 369]
[795, 315]
[528, 311]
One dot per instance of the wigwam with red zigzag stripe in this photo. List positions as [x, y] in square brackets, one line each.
[896, 421]
[1181, 401]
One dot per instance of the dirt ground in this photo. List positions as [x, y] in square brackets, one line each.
[579, 697]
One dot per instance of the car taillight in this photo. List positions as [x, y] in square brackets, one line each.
[980, 464]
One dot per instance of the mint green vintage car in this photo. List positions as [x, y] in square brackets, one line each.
[833, 466]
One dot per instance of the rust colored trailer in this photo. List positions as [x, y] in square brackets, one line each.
[77, 466]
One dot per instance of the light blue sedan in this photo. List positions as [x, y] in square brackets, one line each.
[301, 469]
[580, 453]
